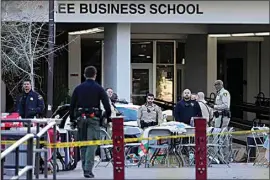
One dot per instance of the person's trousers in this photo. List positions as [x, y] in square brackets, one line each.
[221, 122]
[89, 131]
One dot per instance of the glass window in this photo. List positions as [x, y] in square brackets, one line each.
[140, 81]
[141, 52]
[164, 84]
[140, 85]
[165, 53]
[180, 53]
[138, 100]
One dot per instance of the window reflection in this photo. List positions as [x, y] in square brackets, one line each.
[164, 84]
[138, 100]
[140, 81]
[180, 53]
[165, 52]
[141, 52]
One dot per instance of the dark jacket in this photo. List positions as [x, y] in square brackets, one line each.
[34, 105]
[185, 110]
[88, 95]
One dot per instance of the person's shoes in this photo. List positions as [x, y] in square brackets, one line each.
[88, 174]
[92, 175]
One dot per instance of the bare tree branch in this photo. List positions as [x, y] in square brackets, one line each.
[24, 42]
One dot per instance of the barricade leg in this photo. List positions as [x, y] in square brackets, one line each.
[118, 148]
[200, 149]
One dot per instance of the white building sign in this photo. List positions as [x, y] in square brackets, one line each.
[246, 12]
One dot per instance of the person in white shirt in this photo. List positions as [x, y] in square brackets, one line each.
[207, 112]
[109, 92]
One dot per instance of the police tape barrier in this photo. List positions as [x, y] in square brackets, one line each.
[129, 140]
[8, 142]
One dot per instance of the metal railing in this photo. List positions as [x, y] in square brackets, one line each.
[38, 150]
[29, 137]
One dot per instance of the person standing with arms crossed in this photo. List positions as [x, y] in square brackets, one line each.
[85, 107]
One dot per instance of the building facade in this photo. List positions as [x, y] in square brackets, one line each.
[164, 46]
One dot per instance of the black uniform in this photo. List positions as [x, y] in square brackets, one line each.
[88, 96]
[30, 105]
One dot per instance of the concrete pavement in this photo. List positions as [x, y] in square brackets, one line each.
[237, 171]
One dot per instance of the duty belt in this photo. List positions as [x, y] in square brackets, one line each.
[89, 112]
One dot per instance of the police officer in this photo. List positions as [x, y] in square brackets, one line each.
[30, 104]
[149, 114]
[85, 107]
[222, 112]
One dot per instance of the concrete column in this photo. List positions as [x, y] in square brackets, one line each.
[74, 62]
[195, 77]
[201, 63]
[117, 66]
[252, 73]
[211, 64]
[265, 66]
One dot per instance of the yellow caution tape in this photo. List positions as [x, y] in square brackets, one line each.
[129, 140]
[8, 142]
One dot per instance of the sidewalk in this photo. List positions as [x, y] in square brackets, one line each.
[237, 171]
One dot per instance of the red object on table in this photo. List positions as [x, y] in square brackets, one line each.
[6, 125]
[118, 148]
[200, 149]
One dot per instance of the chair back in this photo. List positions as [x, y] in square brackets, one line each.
[159, 132]
[104, 135]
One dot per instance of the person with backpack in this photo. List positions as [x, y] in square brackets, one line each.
[207, 112]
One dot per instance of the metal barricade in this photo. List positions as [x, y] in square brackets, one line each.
[26, 162]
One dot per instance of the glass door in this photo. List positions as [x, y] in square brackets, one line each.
[165, 84]
[165, 58]
[141, 82]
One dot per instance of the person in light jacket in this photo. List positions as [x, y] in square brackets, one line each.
[114, 111]
[109, 92]
[207, 112]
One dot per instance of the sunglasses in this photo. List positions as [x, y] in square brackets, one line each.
[150, 99]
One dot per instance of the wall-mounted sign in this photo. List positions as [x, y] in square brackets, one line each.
[163, 11]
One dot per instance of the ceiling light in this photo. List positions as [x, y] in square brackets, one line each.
[262, 34]
[141, 55]
[243, 34]
[219, 35]
[88, 31]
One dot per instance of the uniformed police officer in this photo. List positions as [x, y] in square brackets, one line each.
[149, 114]
[31, 103]
[222, 112]
[85, 106]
